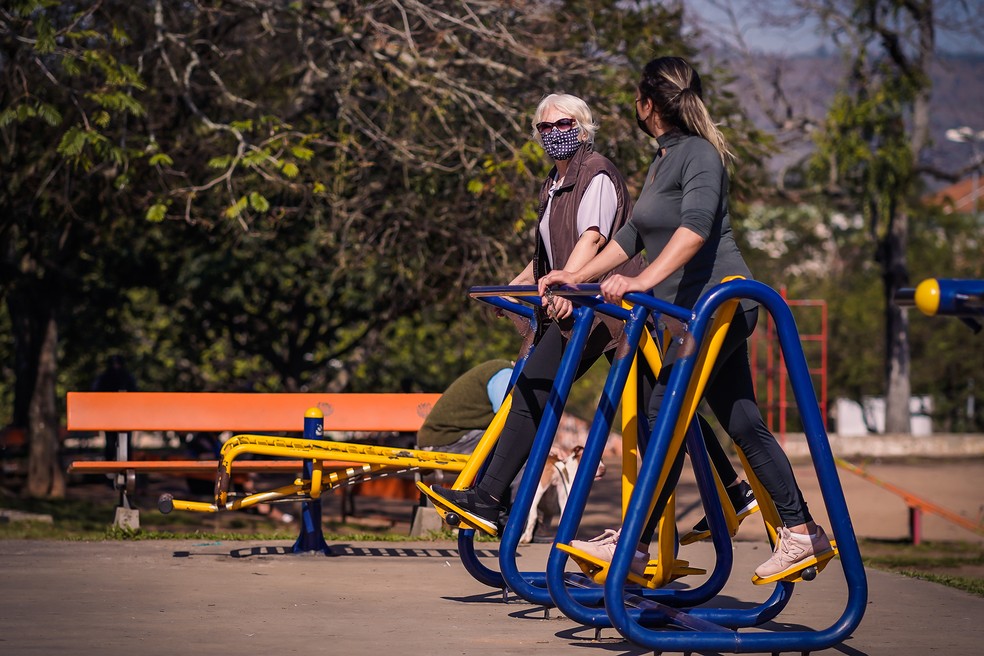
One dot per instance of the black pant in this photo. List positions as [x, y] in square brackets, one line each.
[730, 393]
[530, 398]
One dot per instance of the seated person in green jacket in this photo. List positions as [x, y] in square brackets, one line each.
[458, 420]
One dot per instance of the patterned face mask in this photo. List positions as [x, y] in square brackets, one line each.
[561, 144]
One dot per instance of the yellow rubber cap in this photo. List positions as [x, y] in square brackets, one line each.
[928, 296]
[314, 413]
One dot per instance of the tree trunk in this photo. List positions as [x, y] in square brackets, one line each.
[898, 388]
[895, 275]
[26, 338]
[45, 477]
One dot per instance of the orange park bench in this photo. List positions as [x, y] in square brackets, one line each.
[321, 465]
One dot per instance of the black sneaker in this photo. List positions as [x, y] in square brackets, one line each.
[471, 509]
[742, 500]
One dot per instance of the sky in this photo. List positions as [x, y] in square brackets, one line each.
[956, 103]
[805, 38]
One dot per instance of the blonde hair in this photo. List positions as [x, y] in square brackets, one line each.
[572, 106]
[674, 88]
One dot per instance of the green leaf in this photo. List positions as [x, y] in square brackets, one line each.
[156, 213]
[72, 142]
[219, 162]
[120, 36]
[256, 157]
[318, 188]
[236, 208]
[118, 101]
[71, 66]
[258, 202]
[300, 152]
[290, 169]
[49, 114]
[161, 158]
[7, 117]
[46, 35]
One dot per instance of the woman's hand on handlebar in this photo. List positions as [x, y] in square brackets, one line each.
[555, 278]
[613, 289]
[557, 307]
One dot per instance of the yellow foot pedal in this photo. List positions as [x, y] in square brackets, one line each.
[597, 569]
[454, 515]
[806, 570]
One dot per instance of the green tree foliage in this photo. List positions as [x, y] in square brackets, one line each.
[271, 195]
[875, 133]
[67, 96]
[816, 252]
[868, 161]
[868, 150]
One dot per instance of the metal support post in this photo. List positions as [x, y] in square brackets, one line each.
[312, 538]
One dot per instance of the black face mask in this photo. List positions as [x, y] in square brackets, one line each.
[642, 124]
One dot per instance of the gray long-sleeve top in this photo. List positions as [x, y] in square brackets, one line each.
[687, 185]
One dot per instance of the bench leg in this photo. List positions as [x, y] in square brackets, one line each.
[127, 517]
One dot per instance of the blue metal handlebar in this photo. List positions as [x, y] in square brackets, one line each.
[497, 300]
[958, 298]
[585, 294]
[951, 297]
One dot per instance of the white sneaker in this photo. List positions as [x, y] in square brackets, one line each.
[791, 550]
[603, 546]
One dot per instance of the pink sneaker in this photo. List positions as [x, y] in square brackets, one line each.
[791, 551]
[603, 548]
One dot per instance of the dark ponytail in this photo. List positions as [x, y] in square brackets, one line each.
[674, 88]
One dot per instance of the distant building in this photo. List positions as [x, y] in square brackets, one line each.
[853, 419]
[965, 196]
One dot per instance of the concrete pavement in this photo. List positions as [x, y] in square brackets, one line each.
[163, 597]
[186, 597]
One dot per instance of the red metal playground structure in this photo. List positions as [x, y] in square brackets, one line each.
[772, 382]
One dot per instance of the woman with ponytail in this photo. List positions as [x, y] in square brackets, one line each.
[681, 222]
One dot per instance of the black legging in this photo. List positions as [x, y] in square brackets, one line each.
[530, 398]
[730, 393]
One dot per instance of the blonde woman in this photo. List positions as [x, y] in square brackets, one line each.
[583, 202]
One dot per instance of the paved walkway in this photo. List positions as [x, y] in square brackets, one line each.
[186, 597]
[415, 599]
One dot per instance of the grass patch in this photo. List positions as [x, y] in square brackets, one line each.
[90, 520]
[967, 584]
[69, 531]
[957, 565]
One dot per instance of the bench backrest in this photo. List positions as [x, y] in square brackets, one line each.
[244, 412]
